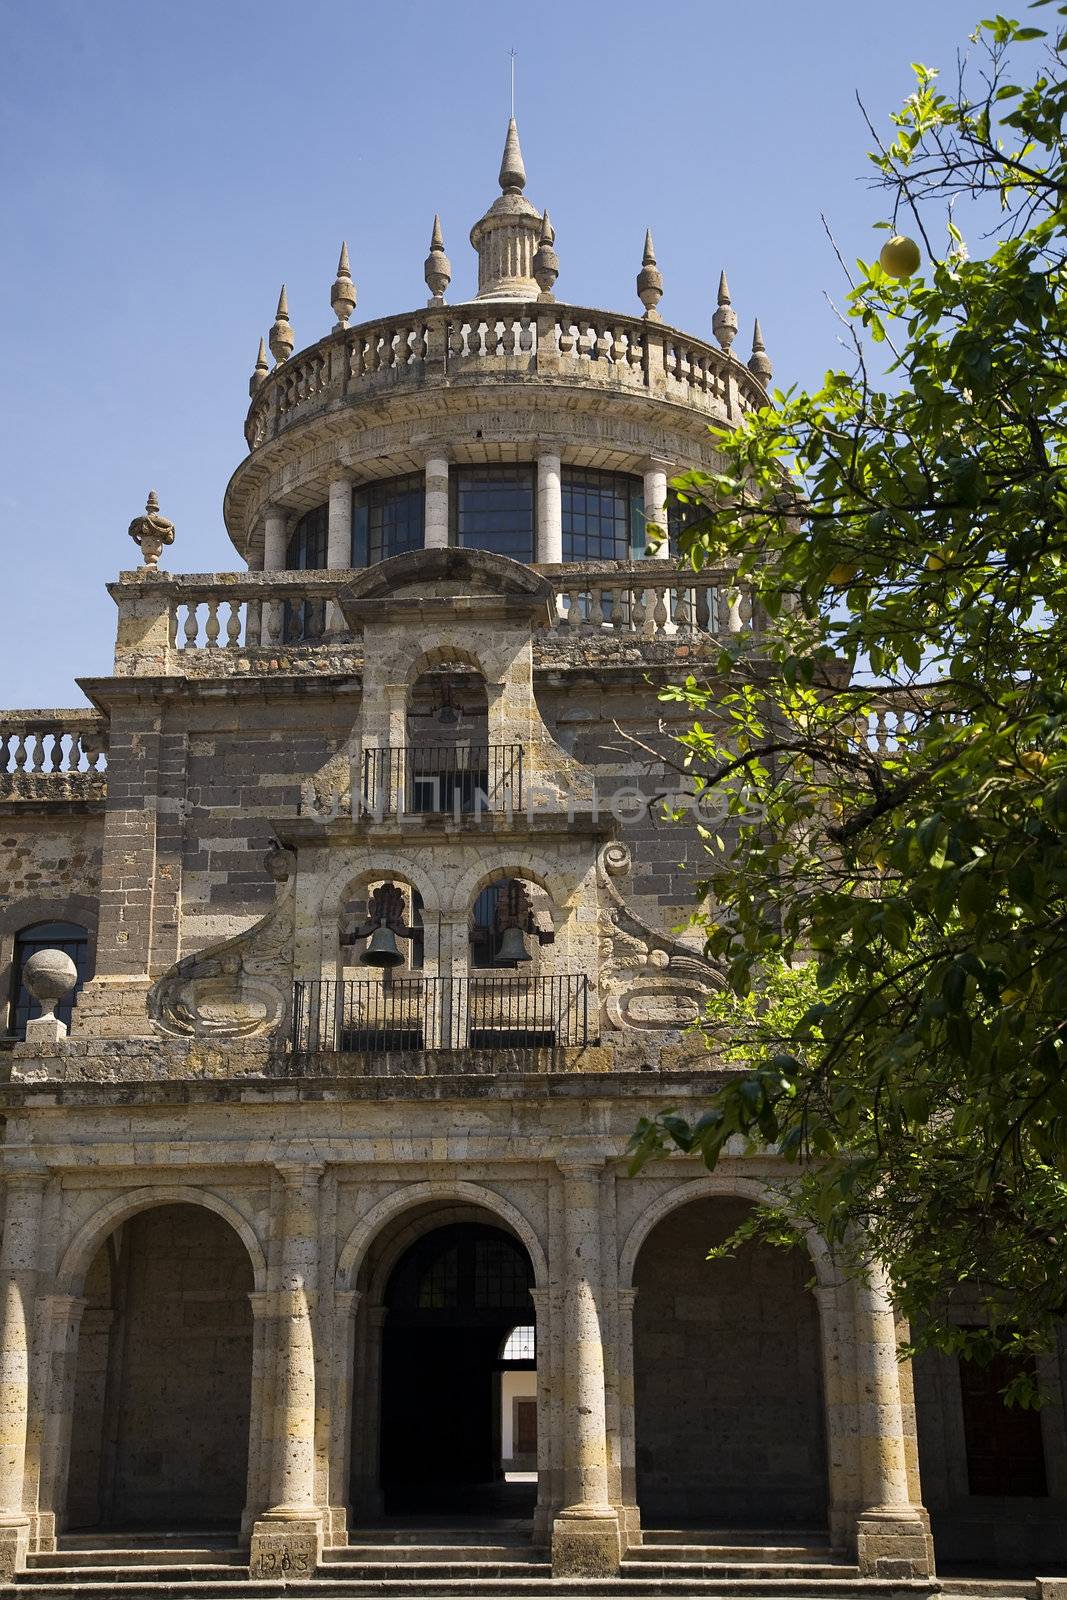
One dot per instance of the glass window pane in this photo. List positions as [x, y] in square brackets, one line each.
[599, 514]
[493, 509]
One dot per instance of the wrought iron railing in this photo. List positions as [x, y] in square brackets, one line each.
[373, 1016]
[454, 779]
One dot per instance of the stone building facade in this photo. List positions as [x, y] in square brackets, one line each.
[359, 852]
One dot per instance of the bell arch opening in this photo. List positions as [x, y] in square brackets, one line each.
[444, 1376]
[729, 1410]
[163, 1378]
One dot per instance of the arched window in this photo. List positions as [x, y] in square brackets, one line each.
[603, 515]
[520, 1344]
[73, 940]
[387, 519]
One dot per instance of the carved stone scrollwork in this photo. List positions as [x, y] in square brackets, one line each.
[649, 981]
[239, 987]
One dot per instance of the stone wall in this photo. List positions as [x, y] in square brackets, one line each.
[160, 1434]
[727, 1379]
[49, 871]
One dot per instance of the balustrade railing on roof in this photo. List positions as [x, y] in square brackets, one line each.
[547, 341]
[302, 612]
[46, 750]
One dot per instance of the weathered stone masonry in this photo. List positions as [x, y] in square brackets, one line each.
[215, 1183]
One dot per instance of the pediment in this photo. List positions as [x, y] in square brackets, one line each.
[451, 574]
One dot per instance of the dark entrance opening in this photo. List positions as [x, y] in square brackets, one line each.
[452, 1300]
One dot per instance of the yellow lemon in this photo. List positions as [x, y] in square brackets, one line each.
[842, 574]
[899, 256]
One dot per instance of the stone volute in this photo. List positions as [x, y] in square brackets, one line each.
[506, 238]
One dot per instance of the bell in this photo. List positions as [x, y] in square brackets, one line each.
[381, 949]
[512, 946]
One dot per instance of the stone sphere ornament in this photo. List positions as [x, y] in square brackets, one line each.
[49, 975]
[899, 256]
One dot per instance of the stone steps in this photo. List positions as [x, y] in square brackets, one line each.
[336, 1585]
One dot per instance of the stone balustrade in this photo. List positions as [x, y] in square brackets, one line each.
[56, 754]
[647, 599]
[203, 624]
[549, 343]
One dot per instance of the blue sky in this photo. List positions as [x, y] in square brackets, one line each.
[166, 165]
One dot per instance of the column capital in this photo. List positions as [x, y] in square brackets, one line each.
[573, 1163]
[347, 1301]
[25, 1177]
[426, 450]
[540, 1299]
[376, 1315]
[338, 476]
[548, 445]
[627, 1298]
[63, 1305]
[299, 1174]
[659, 464]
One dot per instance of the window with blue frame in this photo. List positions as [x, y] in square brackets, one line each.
[603, 515]
[387, 519]
[494, 508]
[69, 937]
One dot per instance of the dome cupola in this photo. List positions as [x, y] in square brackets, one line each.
[506, 238]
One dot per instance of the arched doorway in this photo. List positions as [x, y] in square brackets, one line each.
[162, 1395]
[730, 1421]
[452, 1301]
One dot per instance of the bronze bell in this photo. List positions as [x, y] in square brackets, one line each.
[512, 946]
[382, 950]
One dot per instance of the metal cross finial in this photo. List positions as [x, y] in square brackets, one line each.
[512, 53]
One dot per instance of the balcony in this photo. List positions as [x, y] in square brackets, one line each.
[545, 343]
[416, 1014]
[212, 625]
[451, 780]
[54, 755]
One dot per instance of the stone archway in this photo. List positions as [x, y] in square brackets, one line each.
[729, 1408]
[163, 1380]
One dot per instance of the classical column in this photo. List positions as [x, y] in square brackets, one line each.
[338, 541]
[656, 501]
[627, 1424]
[18, 1285]
[345, 1306]
[275, 539]
[435, 516]
[585, 1535]
[64, 1326]
[892, 1534]
[287, 1540]
[260, 1411]
[549, 507]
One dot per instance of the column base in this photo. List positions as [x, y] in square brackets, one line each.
[14, 1547]
[586, 1543]
[286, 1543]
[894, 1542]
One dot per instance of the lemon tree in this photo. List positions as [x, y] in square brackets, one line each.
[892, 917]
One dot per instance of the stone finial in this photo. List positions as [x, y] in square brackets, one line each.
[546, 261]
[759, 362]
[151, 532]
[437, 269]
[281, 334]
[650, 280]
[512, 170]
[343, 292]
[261, 370]
[48, 975]
[724, 322]
[506, 238]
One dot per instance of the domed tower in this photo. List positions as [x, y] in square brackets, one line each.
[362, 853]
